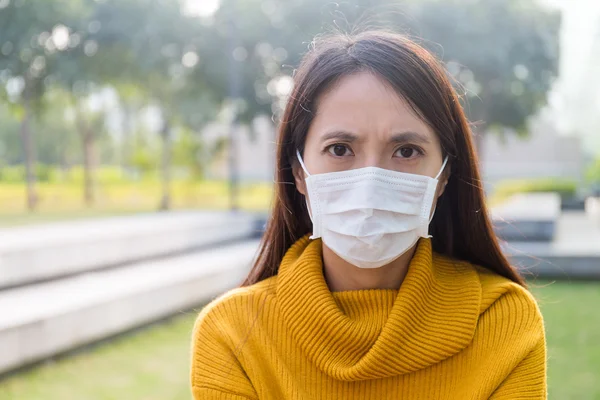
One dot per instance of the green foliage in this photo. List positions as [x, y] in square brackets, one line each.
[29, 52]
[104, 175]
[192, 152]
[44, 173]
[502, 52]
[16, 173]
[565, 187]
[509, 63]
[593, 172]
[52, 174]
[187, 151]
[12, 174]
[10, 139]
[145, 160]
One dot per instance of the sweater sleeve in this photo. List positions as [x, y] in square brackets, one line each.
[216, 372]
[528, 379]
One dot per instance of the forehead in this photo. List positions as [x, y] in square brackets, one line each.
[365, 102]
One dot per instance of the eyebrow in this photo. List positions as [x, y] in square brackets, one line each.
[409, 137]
[340, 135]
[402, 137]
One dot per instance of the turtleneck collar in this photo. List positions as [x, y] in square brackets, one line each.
[376, 333]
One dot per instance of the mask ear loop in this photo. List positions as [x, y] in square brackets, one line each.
[306, 171]
[436, 178]
[301, 162]
[442, 169]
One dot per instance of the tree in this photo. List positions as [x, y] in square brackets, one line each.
[131, 99]
[33, 39]
[503, 53]
[191, 151]
[157, 48]
[241, 60]
[10, 147]
[56, 141]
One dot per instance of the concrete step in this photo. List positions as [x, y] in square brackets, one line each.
[38, 321]
[527, 217]
[33, 254]
[574, 253]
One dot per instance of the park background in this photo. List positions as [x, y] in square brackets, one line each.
[121, 110]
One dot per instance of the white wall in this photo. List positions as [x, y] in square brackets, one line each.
[255, 155]
[543, 155]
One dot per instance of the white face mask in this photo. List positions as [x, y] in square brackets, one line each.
[370, 216]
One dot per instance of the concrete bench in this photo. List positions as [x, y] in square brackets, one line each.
[527, 217]
[33, 254]
[573, 254]
[45, 319]
[592, 208]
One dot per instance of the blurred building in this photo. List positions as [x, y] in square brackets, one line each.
[543, 154]
[575, 100]
[255, 151]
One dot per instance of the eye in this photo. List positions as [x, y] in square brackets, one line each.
[408, 152]
[339, 150]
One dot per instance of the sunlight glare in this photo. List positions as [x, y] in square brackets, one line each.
[201, 8]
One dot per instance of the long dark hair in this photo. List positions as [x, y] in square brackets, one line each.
[461, 227]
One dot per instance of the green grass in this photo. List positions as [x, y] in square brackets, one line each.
[153, 364]
[148, 365]
[64, 201]
[572, 318]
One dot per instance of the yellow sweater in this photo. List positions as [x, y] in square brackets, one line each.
[452, 331]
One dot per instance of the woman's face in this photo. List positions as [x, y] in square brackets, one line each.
[362, 122]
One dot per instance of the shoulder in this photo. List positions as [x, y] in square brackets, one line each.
[217, 363]
[495, 287]
[232, 310]
[509, 303]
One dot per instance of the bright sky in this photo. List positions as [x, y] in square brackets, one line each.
[554, 3]
[201, 8]
[577, 95]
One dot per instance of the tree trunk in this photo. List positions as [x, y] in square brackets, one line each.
[479, 137]
[233, 168]
[165, 133]
[126, 145]
[87, 142]
[88, 168]
[234, 93]
[29, 153]
[65, 164]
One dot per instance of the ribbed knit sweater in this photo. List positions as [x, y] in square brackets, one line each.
[452, 331]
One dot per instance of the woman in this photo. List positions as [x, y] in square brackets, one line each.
[379, 275]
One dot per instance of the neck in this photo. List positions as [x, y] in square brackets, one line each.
[341, 275]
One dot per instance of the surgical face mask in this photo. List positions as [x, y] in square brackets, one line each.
[370, 216]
